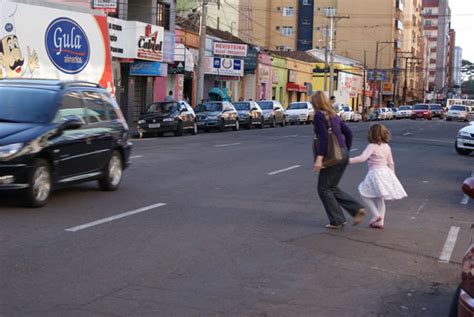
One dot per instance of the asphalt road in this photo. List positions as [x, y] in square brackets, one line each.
[230, 224]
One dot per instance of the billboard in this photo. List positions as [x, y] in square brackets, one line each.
[44, 42]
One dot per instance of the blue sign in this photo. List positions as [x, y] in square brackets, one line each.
[217, 62]
[149, 69]
[237, 64]
[380, 75]
[8, 27]
[67, 45]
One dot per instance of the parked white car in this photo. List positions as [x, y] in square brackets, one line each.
[347, 114]
[458, 112]
[404, 112]
[465, 140]
[299, 112]
[385, 114]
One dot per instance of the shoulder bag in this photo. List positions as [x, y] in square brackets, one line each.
[334, 153]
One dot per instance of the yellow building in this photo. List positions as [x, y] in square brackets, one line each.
[269, 23]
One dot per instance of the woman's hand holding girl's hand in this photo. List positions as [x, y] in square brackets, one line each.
[318, 165]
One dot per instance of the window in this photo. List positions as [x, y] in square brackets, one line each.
[288, 11]
[95, 111]
[163, 15]
[306, 22]
[71, 108]
[112, 111]
[287, 31]
[306, 2]
[428, 22]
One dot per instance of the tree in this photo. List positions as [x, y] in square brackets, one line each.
[467, 70]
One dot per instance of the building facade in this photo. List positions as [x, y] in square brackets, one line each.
[221, 15]
[457, 73]
[437, 20]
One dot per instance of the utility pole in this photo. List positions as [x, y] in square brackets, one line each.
[375, 74]
[364, 110]
[202, 53]
[330, 13]
[326, 58]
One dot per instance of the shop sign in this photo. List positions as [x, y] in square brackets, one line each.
[275, 77]
[54, 44]
[230, 49]
[250, 61]
[387, 88]
[223, 66]
[109, 6]
[133, 39]
[67, 45]
[152, 69]
[292, 76]
[264, 73]
[380, 75]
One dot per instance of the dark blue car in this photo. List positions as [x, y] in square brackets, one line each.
[55, 133]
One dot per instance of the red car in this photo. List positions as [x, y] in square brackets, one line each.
[421, 111]
[463, 303]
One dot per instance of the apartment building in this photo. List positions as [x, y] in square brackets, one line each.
[397, 28]
[222, 15]
[437, 20]
[282, 25]
[457, 73]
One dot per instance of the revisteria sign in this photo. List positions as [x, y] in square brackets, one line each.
[230, 49]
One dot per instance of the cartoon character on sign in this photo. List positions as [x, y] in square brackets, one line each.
[12, 62]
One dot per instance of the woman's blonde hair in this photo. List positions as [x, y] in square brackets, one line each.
[321, 103]
[378, 134]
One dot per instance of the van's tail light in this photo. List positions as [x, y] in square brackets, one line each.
[468, 270]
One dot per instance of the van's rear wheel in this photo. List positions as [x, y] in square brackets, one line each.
[40, 184]
[113, 173]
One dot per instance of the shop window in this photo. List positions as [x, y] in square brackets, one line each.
[163, 15]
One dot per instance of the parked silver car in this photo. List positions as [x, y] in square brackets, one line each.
[273, 112]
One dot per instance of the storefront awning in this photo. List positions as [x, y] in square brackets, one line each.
[295, 87]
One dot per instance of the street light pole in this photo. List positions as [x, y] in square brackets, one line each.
[326, 59]
[202, 53]
[330, 13]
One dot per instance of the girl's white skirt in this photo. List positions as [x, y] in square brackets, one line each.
[382, 183]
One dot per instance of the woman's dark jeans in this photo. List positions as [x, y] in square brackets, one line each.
[332, 197]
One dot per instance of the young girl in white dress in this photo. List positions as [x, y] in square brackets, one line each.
[381, 183]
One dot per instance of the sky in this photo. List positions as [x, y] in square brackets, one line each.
[462, 21]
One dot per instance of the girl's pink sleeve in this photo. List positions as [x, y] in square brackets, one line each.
[391, 163]
[364, 156]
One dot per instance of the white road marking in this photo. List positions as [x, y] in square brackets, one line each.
[136, 156]
[449, 245]
[284, 170]
[109, 219]
[224, 145]
[429, 140]
[420, 208]
[353, 150]
[407, 133]
[290, 136]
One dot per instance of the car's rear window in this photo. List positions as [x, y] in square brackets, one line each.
[27, 105]
[458, 108]
[266, 105]
[404, 108]
[421, 107]
[436, 107]
[242, 105]
[298, 105]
